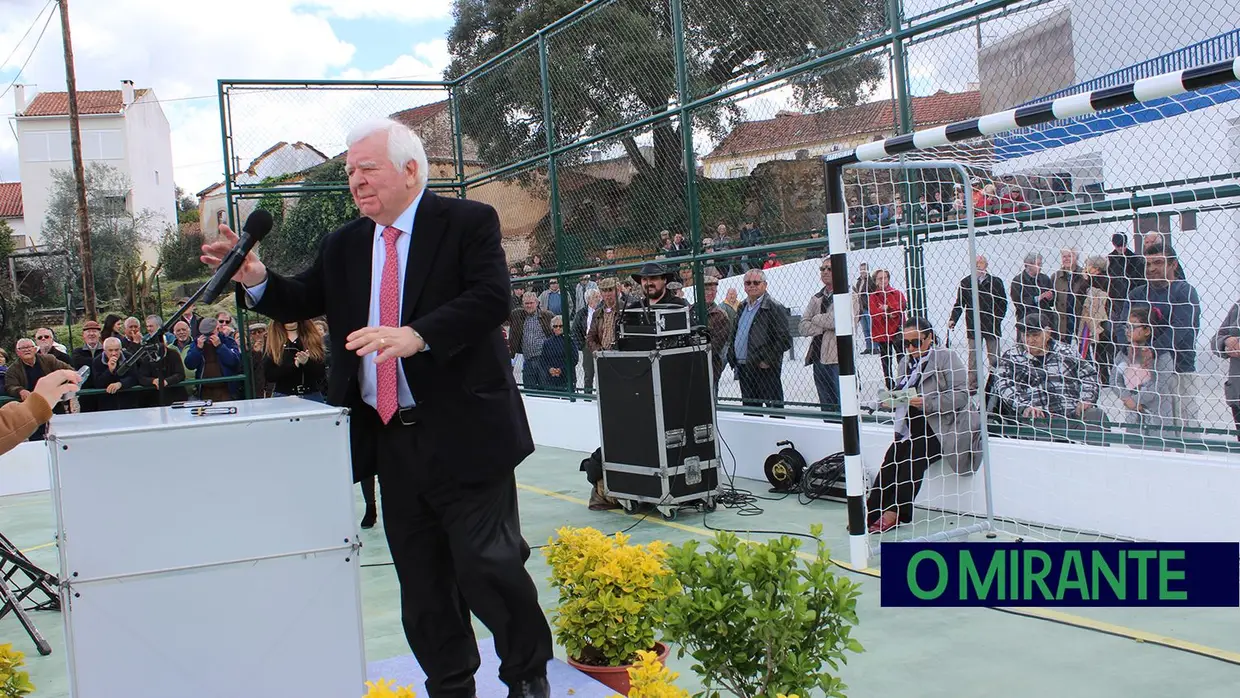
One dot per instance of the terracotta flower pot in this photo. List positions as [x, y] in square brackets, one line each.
[616, 677]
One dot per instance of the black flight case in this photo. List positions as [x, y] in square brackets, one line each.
[657, 419]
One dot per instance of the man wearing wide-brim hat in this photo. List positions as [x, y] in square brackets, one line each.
[653, 278]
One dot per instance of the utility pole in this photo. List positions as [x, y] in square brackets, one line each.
[79, 170]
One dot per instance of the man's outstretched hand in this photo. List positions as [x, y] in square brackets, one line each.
[389, 342]
[252, 271]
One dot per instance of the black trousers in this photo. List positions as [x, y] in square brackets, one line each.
[458, 550]
[368, 492]
[887, 354]
[900, 476]
[761, 387]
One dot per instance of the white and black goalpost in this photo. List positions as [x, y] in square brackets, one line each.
[1077, 105]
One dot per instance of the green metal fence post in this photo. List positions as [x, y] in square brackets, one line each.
[458, 141]
[683, 96]
[68, 305]
[230, 207]
[557, 220]
[914, 252]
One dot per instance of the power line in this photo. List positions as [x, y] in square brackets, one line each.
[31, 55]
[29, 29]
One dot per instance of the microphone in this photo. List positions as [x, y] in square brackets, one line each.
[256, 227]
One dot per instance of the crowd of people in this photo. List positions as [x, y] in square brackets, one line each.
[201, 358]
[1124, 321]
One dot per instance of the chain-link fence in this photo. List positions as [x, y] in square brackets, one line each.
[693, 132]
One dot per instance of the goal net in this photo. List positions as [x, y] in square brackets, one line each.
[1037, 298]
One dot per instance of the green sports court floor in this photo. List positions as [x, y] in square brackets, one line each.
[909, 652]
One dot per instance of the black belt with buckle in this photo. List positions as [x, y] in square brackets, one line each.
[407, 416]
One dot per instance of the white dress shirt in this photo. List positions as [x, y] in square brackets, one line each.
[368, 372]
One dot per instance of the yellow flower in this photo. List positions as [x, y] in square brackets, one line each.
[383, 688]
[649, 678]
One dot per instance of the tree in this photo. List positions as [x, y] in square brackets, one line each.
[7, 246]
[303, 223]
[185, 202]
[187, 208]
[116, 235]
[10, 302]
[616, 65]
[179, 250]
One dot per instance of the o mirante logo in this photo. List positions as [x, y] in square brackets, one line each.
[1061, 574]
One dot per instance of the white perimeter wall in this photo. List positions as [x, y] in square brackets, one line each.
[1119, 491]
[1115, 490]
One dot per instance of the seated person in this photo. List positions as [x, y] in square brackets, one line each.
[939, 422]
[1143, 377]
[1041, 377]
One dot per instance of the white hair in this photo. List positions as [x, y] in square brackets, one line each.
[403, 144]
[592, 294]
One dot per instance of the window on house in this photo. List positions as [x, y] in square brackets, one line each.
[46, 146]
[114, 206]
[219, 217]
[102, 145]
[736, 171]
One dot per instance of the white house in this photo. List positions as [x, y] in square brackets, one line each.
[123, 128]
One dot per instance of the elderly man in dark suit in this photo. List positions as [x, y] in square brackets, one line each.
[416, 292]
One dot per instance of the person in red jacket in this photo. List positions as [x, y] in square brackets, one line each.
[887, 306]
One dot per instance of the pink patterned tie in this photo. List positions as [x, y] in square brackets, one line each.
[387, 401]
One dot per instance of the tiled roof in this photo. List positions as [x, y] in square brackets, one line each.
[793, 129]
[417, 115]
[433, 124]
[10, 199]
[89, 102]
[209, 189]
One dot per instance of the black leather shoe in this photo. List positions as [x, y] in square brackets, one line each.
[368, 521]
[530, 688]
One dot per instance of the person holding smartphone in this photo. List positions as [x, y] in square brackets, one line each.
[18, 420]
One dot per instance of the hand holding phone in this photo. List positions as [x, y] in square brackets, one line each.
[57, 385]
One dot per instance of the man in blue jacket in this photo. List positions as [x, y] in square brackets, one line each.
[1175, 313]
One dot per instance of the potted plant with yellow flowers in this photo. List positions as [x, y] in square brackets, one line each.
[609, 594]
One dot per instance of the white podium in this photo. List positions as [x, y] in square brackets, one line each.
[209, 557]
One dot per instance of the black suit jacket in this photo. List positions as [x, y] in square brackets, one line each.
[472, 419]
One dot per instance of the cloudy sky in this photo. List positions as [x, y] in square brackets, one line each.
[180, 49]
